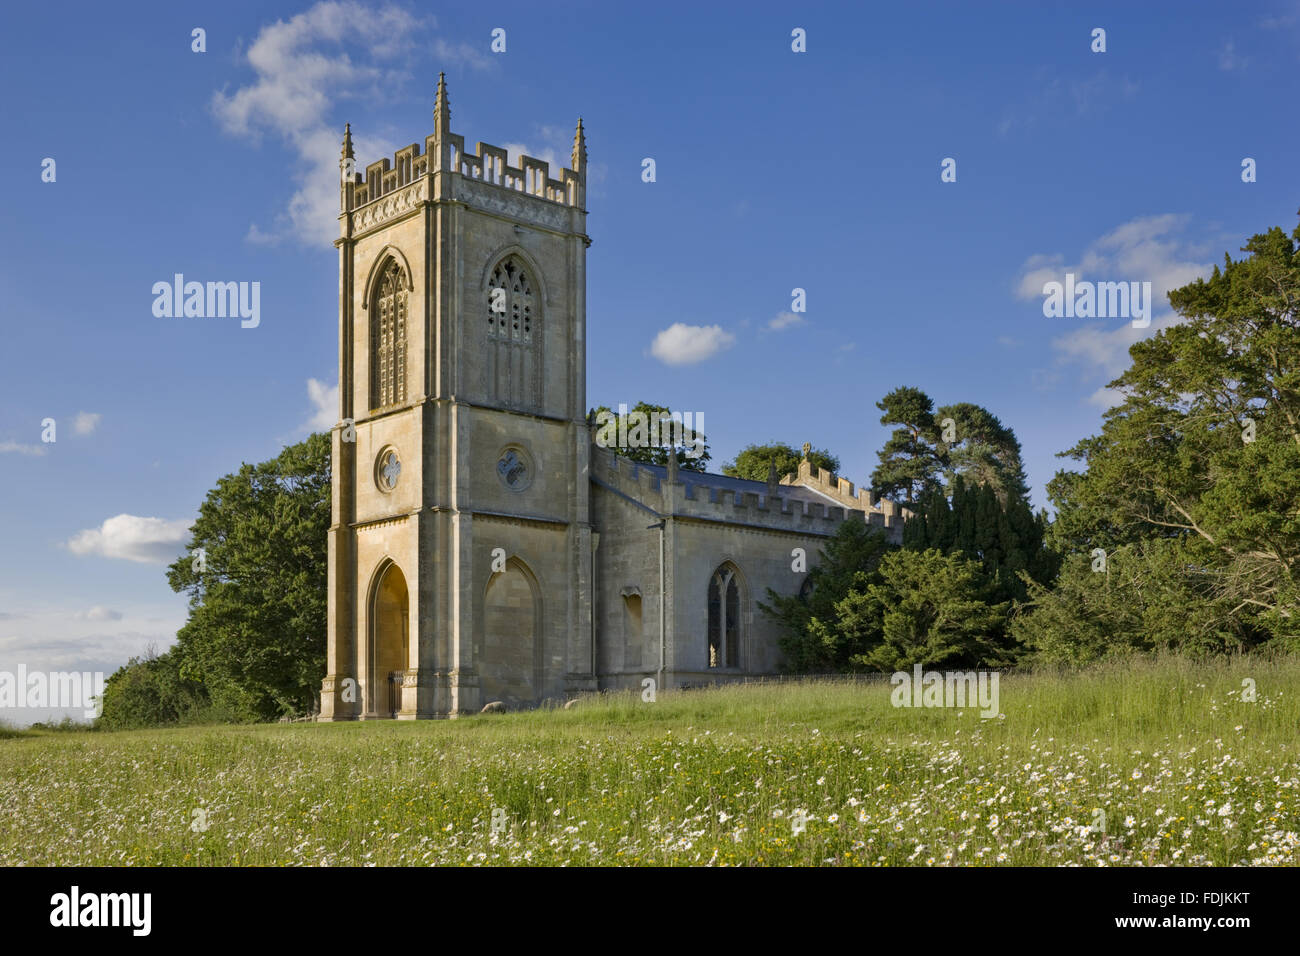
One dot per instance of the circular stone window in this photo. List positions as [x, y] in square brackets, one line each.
[388, 467]
[515, 468]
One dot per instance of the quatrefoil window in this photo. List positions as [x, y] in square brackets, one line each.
[387, 469]
[514, 469]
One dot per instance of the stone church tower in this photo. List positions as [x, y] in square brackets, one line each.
[460, 551]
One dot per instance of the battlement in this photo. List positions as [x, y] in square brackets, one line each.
[693, 499]
[891, 514]
[383, 177]
[488, 164]
[445, 151]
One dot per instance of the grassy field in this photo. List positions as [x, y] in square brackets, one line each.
[1185, 771]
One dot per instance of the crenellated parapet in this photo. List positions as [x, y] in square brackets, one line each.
[486, 164]
[880, 512]
[400, 184]
[686, 498]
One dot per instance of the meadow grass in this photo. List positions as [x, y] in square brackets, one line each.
[1140, 763]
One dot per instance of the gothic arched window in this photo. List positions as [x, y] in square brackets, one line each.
[388, 338]
[724, 618]
[510, 304]
[512, 325]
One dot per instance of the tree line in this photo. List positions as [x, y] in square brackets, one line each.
[1177, 528]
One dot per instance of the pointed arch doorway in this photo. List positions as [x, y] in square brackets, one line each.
[388, 644]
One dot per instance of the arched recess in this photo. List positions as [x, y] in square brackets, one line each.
[512, 331]
[509, 656]
[387, 640]
[727, 603]
[633, 629]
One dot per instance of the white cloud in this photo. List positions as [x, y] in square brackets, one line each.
[784, 320]
[325, 399]
[1229, 59]
[1281, 21]
[1095, 93]
[682, 344]
[1036, 272]
[1052, 97]
[553, 145]
[471, 56]
[1105, 398]
[101, 613]
[336, 50]
[134, 538]
[1146, 249]
[85, 422]
[546, 154]
[259, 237]
[66, 639]
[1096, 347]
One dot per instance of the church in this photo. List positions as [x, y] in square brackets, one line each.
[483, 545]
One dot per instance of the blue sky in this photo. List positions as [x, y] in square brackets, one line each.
[775, 170]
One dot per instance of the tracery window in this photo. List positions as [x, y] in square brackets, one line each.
[512, 359]
[388, 338]
[510, 303]
[724, 618]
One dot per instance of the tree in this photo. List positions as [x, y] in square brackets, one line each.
[753, 461]
[972, 532]
[1006, 538]
[850, 558]
[255, 637]
[1204, 449]
[870, 606]
[909, 463]
[982, 450]
[1146, 596]
[927, 608]
[646, 433]
[149, 691]
[930, 449]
